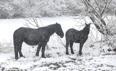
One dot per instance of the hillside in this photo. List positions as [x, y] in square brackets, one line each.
[45, 8]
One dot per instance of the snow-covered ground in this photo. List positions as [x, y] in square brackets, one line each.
[93, 59]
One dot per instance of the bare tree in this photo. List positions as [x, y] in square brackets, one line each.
[95, 9]
[33, 22]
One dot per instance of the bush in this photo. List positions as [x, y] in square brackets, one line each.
[3, 14]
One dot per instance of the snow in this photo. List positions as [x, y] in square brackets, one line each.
[93, 59]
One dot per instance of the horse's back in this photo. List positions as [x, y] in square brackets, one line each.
[21, 31]
[70, 34]
[18, 31]
[18, 35]
[74, 35]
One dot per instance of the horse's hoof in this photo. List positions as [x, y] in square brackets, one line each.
[72, 52]
[80, 54]
[22, 56]
[37, 55]
[16, 58]
[43, 57]
[67, 53]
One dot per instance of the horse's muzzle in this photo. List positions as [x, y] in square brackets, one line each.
[62, 36]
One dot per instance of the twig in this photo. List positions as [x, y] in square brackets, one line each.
[106, 6]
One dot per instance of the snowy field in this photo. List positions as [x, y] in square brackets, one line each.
[93, 58]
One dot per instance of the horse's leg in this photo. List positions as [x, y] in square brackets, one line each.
[71, 47]
[38, 49]
[67, 44]
[16, 51]
[80, 50]
[20, 52]
[16, 47]
[43, 49]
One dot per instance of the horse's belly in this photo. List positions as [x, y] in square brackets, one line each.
[32, 39]
[31, 42]
[83, 39]
[77, 41]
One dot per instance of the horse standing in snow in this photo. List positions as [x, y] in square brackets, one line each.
[38, 37]
[76, 36]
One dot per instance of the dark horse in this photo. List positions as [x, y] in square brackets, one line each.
[76, 36]
[38, 37]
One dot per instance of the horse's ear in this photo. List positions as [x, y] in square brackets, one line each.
[85, 23]
[56, 23]
[90, 23]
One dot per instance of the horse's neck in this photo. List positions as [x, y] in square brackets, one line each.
[86, 30]
[51, 29]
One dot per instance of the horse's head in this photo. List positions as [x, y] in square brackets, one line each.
[59, 30]
[87, 26]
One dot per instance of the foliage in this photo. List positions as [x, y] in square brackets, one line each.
[40, 8]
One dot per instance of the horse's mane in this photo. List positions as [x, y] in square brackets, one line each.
[48, 26]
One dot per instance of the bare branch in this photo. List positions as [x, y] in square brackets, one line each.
[106, 6]
[33, 22]
[29, 22]
[94, 12]
[93, 9]
[98, 6]
[36, 22]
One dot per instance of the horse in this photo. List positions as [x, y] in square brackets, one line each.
[39, 36]
[73, 35]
